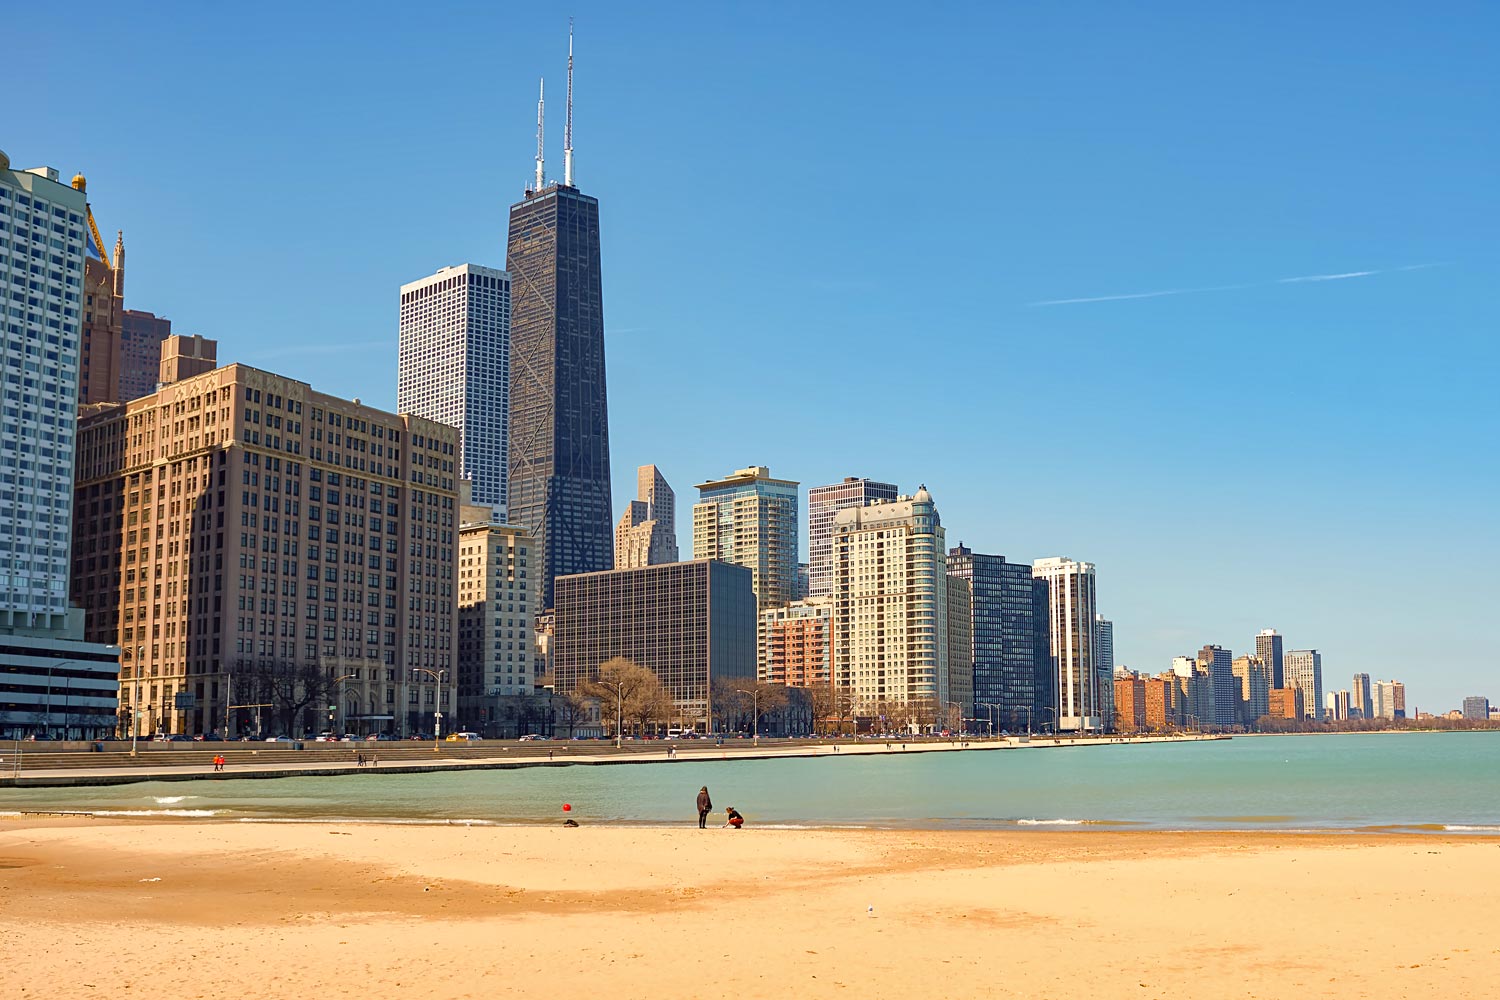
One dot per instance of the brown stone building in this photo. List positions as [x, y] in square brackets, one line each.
[1286, 703]
[251, 542]
[100, 349]
[1161, 701]
[1130, 704]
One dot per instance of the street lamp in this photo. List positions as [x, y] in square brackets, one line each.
[135, 700]
[618, 687]
[344, 716]
[1048, 708]
[989, 707]
[754, 694]
[437, 710]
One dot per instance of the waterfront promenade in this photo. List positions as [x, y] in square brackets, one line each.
[33, 765]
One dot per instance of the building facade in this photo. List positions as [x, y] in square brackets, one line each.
[960, 651]
[1012, 669]
[1361, 701]
[750, 519]
[1477, 707]
[1218, 663]
[1303, 670]
[1390, 700]
[1160, 694]
[141, 337]
[794, 643]
[249, 541]
[496, 605]
[454, 367]
[1336, 706]
[1287, 703]
[691, 623]
[1130, 704]
[1070, 632]
[647, 533]
[1253, 679]
[1268, 646]
[559, 414]
[890, 612]
[822, 503]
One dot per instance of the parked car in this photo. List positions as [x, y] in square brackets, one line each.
[463, 738]
[381, 737]
[280, 739]
[325, 738]
[169, 738]
[532, 736]
[208, 738]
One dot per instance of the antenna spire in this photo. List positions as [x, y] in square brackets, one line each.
[541, 104]
[568, 128]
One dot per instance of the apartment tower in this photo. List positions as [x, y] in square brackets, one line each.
[1303, 670]
[793, 643]
[750, 519]
[1268, 646]
[1070, 631]
[1012, 669]
[890, 614]
[496, 605]
[454, 367]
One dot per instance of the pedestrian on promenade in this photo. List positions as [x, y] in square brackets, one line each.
[359, 760]
[704, 805]
[375, 759]
[733, 819]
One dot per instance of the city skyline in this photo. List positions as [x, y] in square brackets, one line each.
[1399, 424]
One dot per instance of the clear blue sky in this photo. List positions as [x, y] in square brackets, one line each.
[827, 241]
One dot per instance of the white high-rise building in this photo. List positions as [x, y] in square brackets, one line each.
[890, 610]
[42, 244]
[454, 367]
[1303, 669]
[1071, 632]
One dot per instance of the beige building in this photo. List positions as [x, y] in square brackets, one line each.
[750, 519]
[647, 533]
[793, 643]
[249, 541]
[890, 611]
[497, 597]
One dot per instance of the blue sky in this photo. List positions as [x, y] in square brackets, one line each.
[829, 241]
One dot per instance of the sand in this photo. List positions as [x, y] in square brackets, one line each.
[165, 909]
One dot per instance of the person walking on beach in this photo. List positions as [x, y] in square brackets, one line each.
[704, 805]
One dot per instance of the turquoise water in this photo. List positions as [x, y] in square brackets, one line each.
[1424, 780]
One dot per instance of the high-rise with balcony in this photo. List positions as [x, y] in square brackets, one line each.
[822, 503]
[750, 519]
[454, 367]
[1303, 669]
[496, 605]
[1253, 679]
[1268, 646]
[1070, 630]
[1012, 669]
[1361, 699]
[646, 534]
[1218, 663]
[793, 643]
[890, 613]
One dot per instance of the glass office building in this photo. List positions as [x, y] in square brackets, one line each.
[1012, 669]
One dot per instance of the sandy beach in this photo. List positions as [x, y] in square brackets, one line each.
[167, 909]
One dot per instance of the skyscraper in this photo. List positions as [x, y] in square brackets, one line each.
[1361, 700]
[1390, 700]
[141, 338]
[1219, 664]
[559, 414]
[42, 249]
[1254, 679]
[647, 533]
[1104, 642]
[1303, 670]
[1012, 668]
[1070, 630]
[822, 503]
[749, 519]
[890, 612]
[1268, 648]
[454, 367]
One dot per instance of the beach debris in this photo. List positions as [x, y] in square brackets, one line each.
[567, 807]
[157, 879]
[870, 910]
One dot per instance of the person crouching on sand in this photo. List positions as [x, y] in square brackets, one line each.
[734, 819]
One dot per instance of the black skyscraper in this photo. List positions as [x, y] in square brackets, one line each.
[1012, 668]
[559, 419]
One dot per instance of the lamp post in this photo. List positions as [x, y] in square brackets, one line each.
[344, 716]
[135, 700]
[989, 707]
[437, 711]
[1048, 708]
[754, 694]
[618, 687]
[1027, 709]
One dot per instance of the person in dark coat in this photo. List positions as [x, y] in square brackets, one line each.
[704, 805]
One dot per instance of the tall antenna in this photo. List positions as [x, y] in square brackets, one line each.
[568, 128]
[541, 105]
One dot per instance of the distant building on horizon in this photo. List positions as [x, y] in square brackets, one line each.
[1303, 670]
[1268, 646]
[749, 519]
[1336, 706]
[454, 367]
[1253, 677]
[1286, 703]
[1390, 700]
[646, 534]
[1218, 663]
[822, 503]
[1071, 611]
[1477, 707]
[1361, 701]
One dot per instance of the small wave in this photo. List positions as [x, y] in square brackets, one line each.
[1460, 828]
[1051, 822]
[184, 813]
[372, 820]
[171, 800]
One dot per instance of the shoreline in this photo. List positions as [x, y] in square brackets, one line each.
[319, 909]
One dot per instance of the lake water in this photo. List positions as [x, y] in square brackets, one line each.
[1430, 781]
